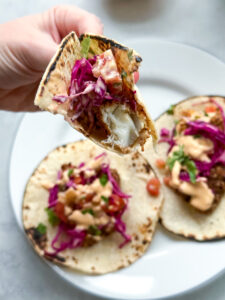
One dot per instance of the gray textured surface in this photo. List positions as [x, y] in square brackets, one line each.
[200, 23]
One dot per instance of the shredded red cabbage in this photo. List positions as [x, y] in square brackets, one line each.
[164, 132]
[167, 137]
[81, 165]
[71, 183]
[59, 174]
[86, 91]
[76, 238]
[205, 129]
[120, 226]
[184, 176]
[216, 136]
[52, 198]
[100, 155]
[221, 111]
[116, 188]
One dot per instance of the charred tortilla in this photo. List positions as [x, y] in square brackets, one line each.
[140, 217]
[177, 215]
[119, 125]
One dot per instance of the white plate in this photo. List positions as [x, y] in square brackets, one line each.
[169, 73]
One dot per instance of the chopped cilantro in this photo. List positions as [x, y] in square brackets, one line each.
[88, 211]
[52, 218]
[105, 199]
[206, 114]
[41, 228]
[130, 54]
[92, 229]
[103, 179]
[123, 74]
[196, 136]
[85, 45]
[70, 172]
[185, 161]
[170, 111]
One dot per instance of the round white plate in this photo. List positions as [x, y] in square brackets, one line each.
[170, 72]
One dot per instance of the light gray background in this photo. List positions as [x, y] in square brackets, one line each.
[199, 23]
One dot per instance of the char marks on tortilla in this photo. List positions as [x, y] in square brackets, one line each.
[109, 128]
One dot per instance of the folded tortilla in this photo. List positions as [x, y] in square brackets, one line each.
[140, 217]
[117, 126]
[177, 215]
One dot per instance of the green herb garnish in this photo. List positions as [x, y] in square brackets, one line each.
[88, 211]
[206, 114]
[41, 228]
[85, 45]
[123, 74]
[70, 172]
[103, 179]
[170, 111]
[105, 199]
[92, 229]
[130, 54]
[183, 160]
[52, 218]
[196, 136]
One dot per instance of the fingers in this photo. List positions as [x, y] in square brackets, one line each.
[69, 18]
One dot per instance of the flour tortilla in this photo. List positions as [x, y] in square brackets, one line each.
[177, 215]
[141, 216]
[127, 130]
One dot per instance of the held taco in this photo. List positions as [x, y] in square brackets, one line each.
[90, 81]
[191, 162]
[90, 210]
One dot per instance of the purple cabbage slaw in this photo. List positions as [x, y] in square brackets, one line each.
[87, 91]
[76, 237]
[167, 137]
[206, 130]
[217, 136]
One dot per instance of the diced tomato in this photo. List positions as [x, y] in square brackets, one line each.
[166, 180]
[106, 67]
[153, 186]
[115, 204]
[59, 211]
[210, 108]
[136, 77]
[160, 163]
[78, 180]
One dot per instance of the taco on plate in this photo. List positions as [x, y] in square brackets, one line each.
[191, 161]
[90, 81]
[90, 210]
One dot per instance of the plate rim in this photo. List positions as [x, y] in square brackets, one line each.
[52, 266]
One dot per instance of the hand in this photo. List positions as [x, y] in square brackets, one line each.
[26, 47]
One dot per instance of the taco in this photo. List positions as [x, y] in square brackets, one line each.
[191, 161]
[90, 81]
[89, 210]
